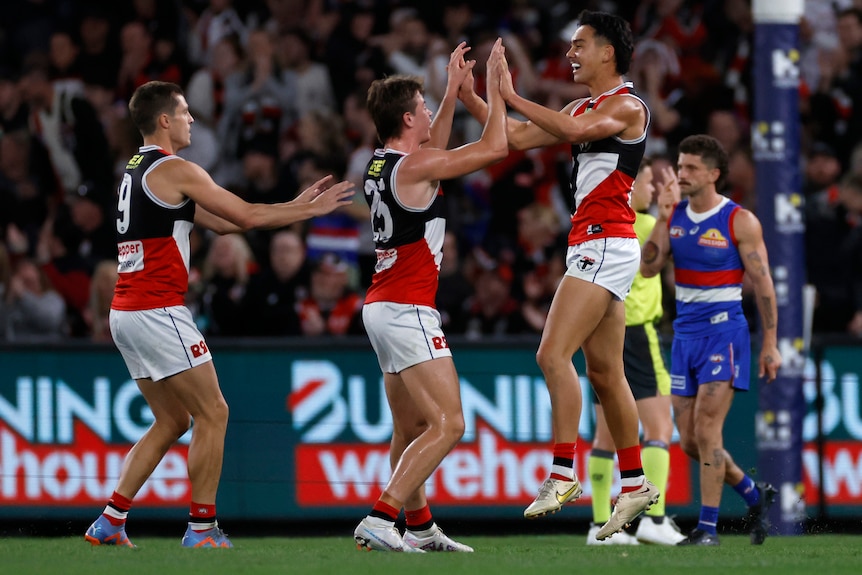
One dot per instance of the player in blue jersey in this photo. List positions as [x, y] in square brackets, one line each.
[713, 242]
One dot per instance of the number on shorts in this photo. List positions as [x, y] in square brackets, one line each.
[124, 203]
[381, 217]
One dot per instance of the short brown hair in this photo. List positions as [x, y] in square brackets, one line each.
[711, 152]
[388, 99]
[150, 100]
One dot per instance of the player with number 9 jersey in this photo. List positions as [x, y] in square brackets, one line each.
[152, 239]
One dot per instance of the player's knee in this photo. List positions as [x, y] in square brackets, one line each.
[689, 446]
[454, 427]
[550, 363]
[175, 427]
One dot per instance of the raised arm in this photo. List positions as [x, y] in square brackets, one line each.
[520, 135]
[432, 165]
[656, 249]
[752, 250]
[457, 70]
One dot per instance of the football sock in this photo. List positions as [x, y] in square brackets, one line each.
[383, 510]
[601, 469]
[202, 516]
[563, 467]
[419, 519]
[708, 519]
[748, 490]
[117, 509]
[631, 469]
[656, 461]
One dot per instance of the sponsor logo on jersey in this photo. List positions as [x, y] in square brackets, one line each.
[676, 232]
[716, 358]
[134, 162]
[594, 229]
[130, 256]
[376, 167]
[712, 238]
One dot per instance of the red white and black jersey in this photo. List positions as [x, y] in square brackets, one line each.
[152, 239]
[602, 176]
[408, 241]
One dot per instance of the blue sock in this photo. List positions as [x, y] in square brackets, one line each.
[708, 519]
[748, 490]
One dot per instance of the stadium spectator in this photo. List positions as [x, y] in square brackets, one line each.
[99, 58]
[31, 310]
[69, 273]
[330, 307]
[226, 271]
[218, 20]
[99, 302]
[353, 60]
[833, 244]
[67, 125]
[313, 86]
[492, 311]
[259, 105]
[89, 207]
[454, 287]
[28, 189]
[272, 294]
[711, 350]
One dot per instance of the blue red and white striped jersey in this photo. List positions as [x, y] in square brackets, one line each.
[708, 269]
[602, 176]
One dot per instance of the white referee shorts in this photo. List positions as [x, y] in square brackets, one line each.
[404, 335]
[609, 262]
[158, 343]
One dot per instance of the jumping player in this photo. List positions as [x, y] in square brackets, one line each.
[161, 197]
[650, 384]
[607, 132]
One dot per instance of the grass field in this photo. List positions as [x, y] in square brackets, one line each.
[497, 555]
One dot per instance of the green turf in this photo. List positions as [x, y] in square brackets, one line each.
[509, 555]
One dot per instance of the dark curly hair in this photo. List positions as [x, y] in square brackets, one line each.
[616, 31]
[711, 152]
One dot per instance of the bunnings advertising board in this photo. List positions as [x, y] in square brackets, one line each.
[309, 431]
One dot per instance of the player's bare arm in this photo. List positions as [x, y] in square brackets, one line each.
[173, 181]
[752, 250]
[418, 175]
[457, 70]
[520, 135]
[620, 116]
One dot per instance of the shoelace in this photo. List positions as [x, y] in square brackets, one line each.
[546, 488]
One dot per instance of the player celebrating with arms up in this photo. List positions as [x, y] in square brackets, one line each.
[402, 186]
[607, 132]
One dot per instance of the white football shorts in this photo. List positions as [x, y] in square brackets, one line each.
[158, 343]
[609, 262]
[404, 335]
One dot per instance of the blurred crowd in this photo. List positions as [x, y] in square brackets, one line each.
[277, 89]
